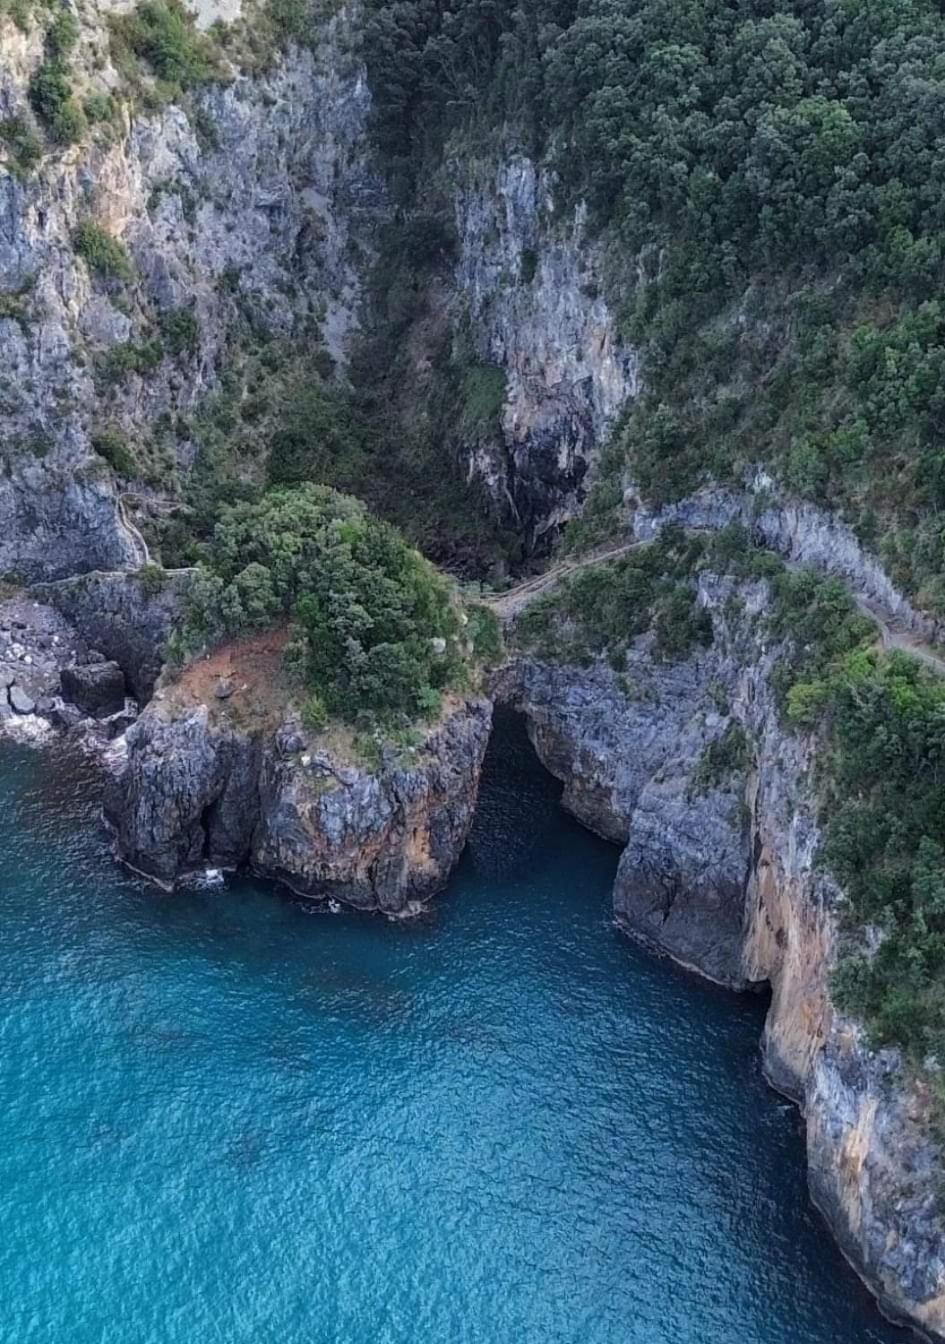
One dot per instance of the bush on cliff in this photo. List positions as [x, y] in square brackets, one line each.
[883, 810]
[600, 608]
[377, 631]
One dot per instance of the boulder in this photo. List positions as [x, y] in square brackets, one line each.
[20, 700]
[97, 688]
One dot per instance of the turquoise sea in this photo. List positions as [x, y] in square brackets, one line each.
[227, 1120]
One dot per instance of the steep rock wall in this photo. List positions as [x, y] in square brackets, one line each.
[247, 207]
[532, 282]
[723, 879]
[195, 789]
[127, 617]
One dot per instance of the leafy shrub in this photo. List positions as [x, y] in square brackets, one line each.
[884, 800]
[600, 608]
[314, 713]
[102, 253]
[722, 758]
[483, 398]
[99, 107]
[485, 634]
[180, 331]
[129, 357]
[112, 445]
[22, 142]
[151, 578]
[13, 302]
[318, 436]
[50, 95]
[818, 618]
[62, 35]
[292, 21]
[378, 631]
[163, 33]
[681, 623]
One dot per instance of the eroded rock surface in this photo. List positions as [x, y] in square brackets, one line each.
[195, 790]
[722, 877]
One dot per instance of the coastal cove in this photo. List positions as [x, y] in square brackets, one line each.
[499, 1121]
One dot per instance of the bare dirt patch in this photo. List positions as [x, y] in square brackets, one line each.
[250, 668]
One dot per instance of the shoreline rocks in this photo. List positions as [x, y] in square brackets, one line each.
[195, 791]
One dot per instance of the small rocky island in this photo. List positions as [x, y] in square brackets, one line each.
[335, 747]
[205, 785]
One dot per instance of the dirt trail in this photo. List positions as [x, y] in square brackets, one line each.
[893, 636]
[141, 546]
[508, 604]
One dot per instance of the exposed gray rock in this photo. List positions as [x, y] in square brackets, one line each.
[259, 218]
[725, 881]
[127, 617]
[533, 283]
[21, 702]
[65, 716]
[195, 791]
[96, 688]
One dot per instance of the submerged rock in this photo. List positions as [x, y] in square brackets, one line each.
[196, 791]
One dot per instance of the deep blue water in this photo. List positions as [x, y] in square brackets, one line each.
[224, 1119]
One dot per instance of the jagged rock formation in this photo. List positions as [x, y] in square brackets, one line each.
[269, 216]
[721, 876]
[797, 530]
[128, 617]
[196, 789]
[273, 215]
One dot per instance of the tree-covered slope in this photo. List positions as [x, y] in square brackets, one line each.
[769, 180]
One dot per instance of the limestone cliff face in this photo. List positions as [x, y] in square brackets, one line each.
[721, 876]
[246, 207]
[127, 616]
[260, 203]
[194, 789]
[532, 281]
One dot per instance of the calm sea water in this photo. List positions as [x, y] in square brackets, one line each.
[226, 1119]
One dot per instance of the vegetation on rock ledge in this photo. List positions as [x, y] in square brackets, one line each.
[378, 634]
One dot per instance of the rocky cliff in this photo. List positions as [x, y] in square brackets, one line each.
[253, 205]
[243, 207]
[718, 871]
[202, 783]
[532, 283]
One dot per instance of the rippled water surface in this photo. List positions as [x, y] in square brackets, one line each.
[224, 1119]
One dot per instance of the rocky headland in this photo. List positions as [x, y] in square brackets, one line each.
[249, 217]
[219, 772]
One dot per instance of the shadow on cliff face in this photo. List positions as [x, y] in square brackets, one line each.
[519, 806]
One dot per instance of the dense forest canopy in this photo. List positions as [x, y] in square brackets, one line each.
[770, 179]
